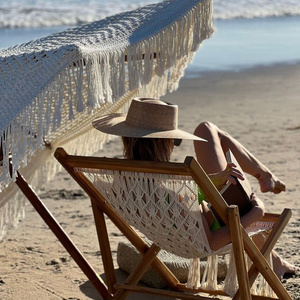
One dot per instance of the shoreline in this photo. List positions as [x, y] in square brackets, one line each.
[192, 72]
[257, 106]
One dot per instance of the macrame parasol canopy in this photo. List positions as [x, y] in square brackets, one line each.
[52, 88]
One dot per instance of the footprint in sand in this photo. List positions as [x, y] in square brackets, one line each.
[56, 265]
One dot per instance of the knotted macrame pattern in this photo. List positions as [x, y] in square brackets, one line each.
[163, 209]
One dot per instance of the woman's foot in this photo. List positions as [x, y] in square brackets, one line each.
[282, 267]
[269, 183]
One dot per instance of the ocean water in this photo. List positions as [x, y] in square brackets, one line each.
[248, 33]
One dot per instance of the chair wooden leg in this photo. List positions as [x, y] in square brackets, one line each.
[105, 248]
[272, 239]
[264, 268]
[139, 271]
[63, 237]
[270, 243]
[238, 250]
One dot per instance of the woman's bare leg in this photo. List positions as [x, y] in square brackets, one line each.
[280, 266]
[211, 157]
[211, 154]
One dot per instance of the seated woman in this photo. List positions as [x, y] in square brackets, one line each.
[149, 131]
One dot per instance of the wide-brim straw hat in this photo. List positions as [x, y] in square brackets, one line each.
[146, 118]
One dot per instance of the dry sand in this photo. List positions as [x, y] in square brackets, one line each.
[260, 107]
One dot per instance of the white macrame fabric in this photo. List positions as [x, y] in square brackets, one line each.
[149, 202]
[52, 88]
[165, 209]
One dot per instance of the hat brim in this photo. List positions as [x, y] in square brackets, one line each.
[115, 124]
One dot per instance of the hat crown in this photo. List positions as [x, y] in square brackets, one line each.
[153, 114]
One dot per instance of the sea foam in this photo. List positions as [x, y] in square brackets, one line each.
[50, 13]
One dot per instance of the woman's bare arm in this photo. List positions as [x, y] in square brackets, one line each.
[221, 236]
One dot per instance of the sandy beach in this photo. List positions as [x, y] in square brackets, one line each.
[259, 106]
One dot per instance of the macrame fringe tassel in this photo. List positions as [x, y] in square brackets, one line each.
[42, 166]
[210, 282]
[230, 282]
[194, 275]
[209, 277]
[11, 213]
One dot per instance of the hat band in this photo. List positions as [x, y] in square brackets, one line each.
[149, 115]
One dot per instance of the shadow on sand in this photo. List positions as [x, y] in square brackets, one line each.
[88, 289]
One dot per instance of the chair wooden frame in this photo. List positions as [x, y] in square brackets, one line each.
[111, 289]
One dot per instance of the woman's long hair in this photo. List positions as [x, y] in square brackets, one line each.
[153, 149]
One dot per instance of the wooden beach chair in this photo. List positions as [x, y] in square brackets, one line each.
[119, 188]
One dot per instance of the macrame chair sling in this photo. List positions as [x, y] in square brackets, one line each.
[120, 190]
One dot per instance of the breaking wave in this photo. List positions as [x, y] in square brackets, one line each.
[50, 13]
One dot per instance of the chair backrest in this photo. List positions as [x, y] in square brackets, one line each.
[163, 207]
[157, 198]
